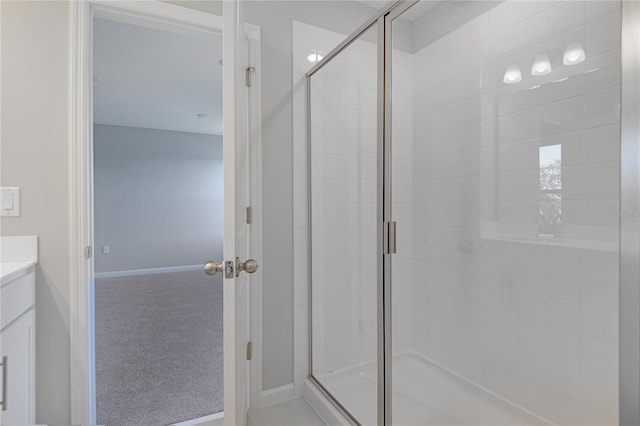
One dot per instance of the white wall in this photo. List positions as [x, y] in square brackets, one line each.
[158, 198]
[34, 140]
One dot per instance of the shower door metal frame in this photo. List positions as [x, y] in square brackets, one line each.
[385, 349]
[629, 315]
[629, 306]
[383, 21]
[369, 24]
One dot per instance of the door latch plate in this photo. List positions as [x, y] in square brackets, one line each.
[228, 269]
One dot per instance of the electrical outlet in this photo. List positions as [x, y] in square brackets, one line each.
[106, 249]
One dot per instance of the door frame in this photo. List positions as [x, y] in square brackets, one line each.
[153, 14]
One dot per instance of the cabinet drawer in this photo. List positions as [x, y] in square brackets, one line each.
[17, 297]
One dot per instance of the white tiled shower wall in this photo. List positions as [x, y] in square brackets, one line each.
[344, 133]
[307, 40]
[343, 175]
[475, 288]
[530, 318]
[344, 108]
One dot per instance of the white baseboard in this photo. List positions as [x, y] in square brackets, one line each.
[210, 420]
[277, 395]
[148, 271]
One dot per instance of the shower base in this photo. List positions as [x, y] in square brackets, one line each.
[424, 394]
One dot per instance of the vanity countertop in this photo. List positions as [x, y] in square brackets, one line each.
[9, 271]
[17, 256]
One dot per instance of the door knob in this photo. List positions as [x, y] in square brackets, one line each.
[212, 267]
[249, 266]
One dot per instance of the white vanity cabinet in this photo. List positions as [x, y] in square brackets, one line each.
[18, 350]
[17, 340]
[18, 344]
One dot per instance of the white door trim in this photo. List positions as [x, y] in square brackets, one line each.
[255, 182]
[82, 343]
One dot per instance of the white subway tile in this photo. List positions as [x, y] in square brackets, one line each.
[603, 71]
[528, 9]
[597, 8]
[602, 180]
[532, 30]
[502, 44]
[502, 17]
[565, 316]
[602, 35]
[477, 29]
[601, 289]
[565, 283]
[602, 107]
[563, 116]
[565, 16]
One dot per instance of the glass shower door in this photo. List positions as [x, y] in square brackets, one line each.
[343, 232]
[505, 190]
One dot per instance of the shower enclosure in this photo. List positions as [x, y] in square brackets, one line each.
[473, 250]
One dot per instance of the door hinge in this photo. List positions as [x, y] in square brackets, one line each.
[247, 75]
[87, 252]
[389, 233]
[249, 215]
[249, 351]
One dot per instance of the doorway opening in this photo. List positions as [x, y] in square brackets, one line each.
[158, 215]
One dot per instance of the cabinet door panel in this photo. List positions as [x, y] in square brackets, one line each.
[17, 297]
[17, 342]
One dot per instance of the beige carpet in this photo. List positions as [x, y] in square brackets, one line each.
[158, 348]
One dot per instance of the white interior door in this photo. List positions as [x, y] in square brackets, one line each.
[236, 201]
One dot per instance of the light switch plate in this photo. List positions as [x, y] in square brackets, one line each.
[10, 201]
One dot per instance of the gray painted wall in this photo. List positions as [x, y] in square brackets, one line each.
[158, 198]
[34, 139]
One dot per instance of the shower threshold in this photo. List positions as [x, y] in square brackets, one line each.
[424, 393]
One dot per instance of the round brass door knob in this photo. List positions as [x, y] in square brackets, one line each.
[212, 267]
[249, 266]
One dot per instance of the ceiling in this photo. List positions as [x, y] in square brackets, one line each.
[413, 13]
[157, 79]
[428, 20]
